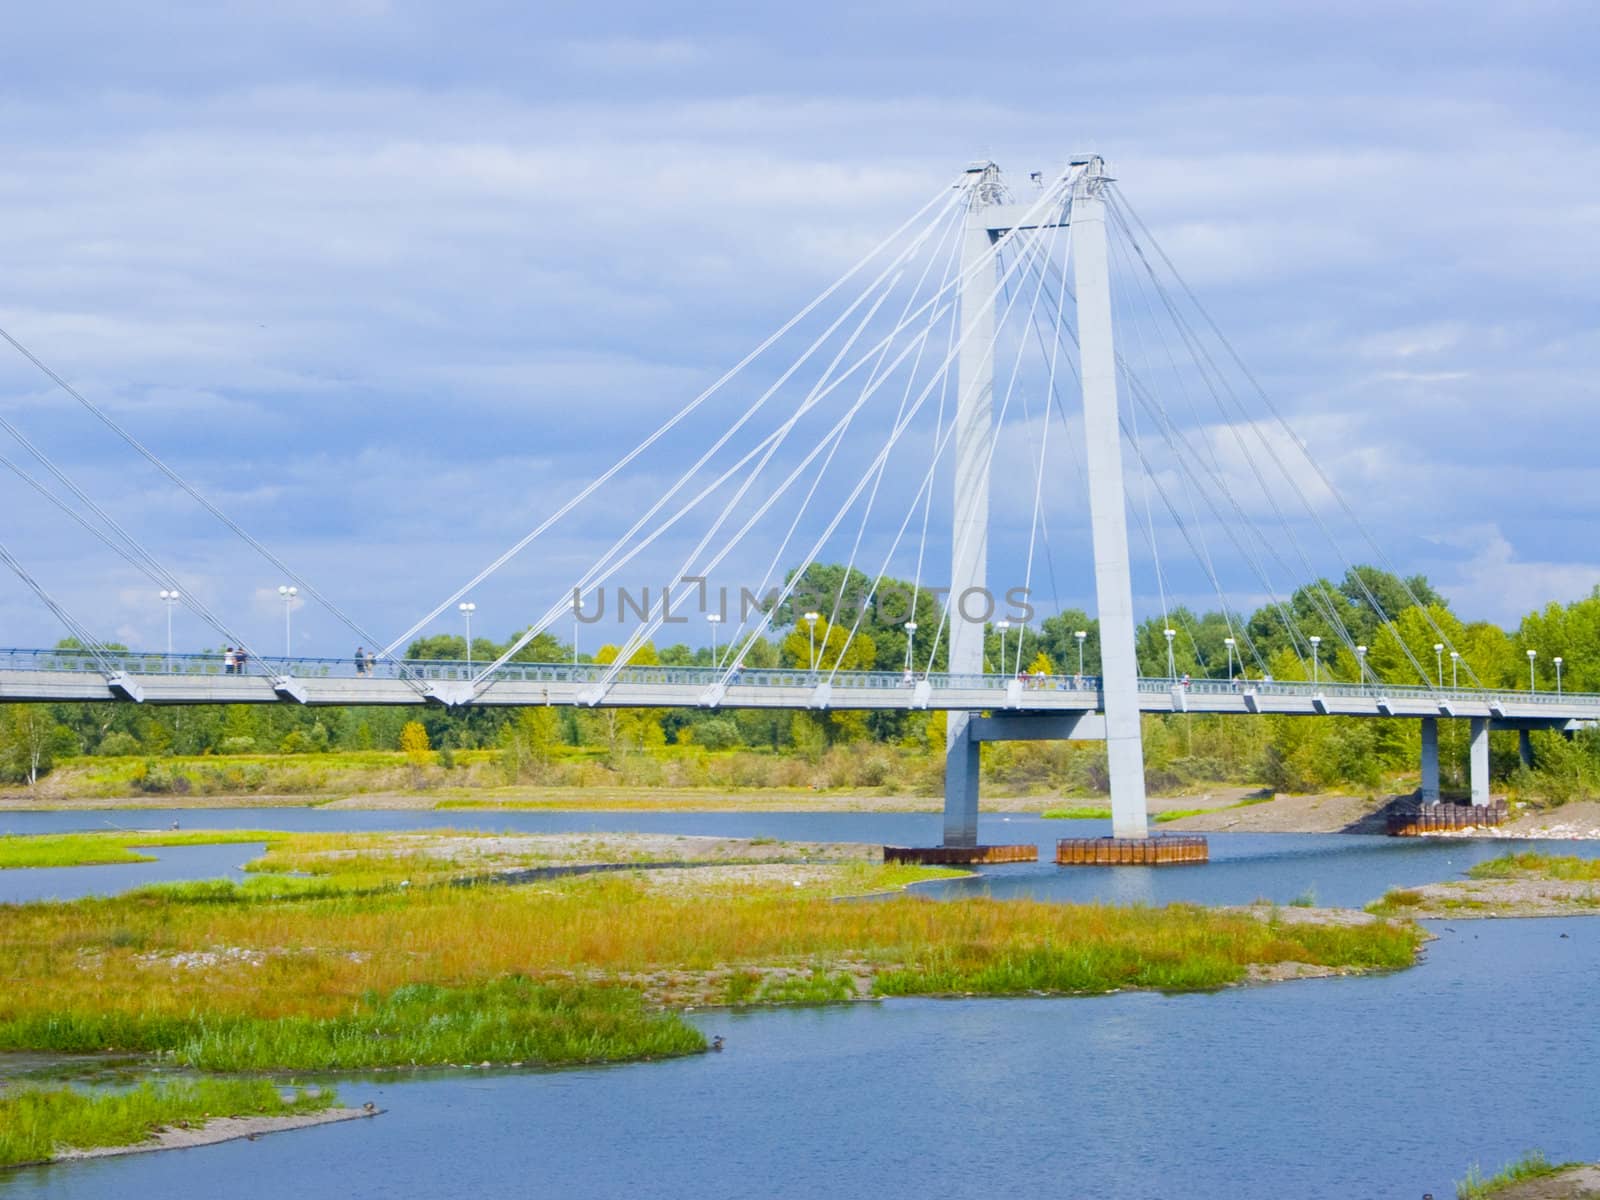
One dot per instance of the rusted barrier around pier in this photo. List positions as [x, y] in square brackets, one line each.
[1445, 818]
[959, 856]
[1134, 852]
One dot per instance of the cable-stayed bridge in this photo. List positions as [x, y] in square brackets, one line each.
[865, 426]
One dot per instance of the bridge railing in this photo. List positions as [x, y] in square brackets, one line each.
[144, 663]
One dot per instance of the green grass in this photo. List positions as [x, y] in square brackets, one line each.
[1395, 900]
[1179, 948]
[38, 1123]
[1532, 1165]
[1545, 866]
[262, 889]
[1178, 814]
[97, 849]
[821, 986]
[1078, 812]
[504, 1020]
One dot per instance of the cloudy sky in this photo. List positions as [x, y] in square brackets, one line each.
[390, 280]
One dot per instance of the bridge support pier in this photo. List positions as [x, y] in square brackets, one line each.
[1525, 747]
[1430, 760]
[960, 782]
[1480, 760]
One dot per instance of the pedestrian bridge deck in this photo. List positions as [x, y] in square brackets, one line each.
[32, 675]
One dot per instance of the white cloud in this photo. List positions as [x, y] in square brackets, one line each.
[1496, 585]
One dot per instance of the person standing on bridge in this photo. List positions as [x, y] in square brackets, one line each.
[229, 662]
[238, 661]
[361, 661]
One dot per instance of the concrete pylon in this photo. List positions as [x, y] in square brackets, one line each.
[1119, 670]
[974, 440]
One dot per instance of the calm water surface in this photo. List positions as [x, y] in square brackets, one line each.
[1344, 1088]
[1338, 869]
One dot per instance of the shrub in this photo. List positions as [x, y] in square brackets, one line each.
[117, 744]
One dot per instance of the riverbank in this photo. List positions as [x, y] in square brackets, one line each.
[1513, 885]
[1569, 1183]
[52, 1124]
[219, 1130]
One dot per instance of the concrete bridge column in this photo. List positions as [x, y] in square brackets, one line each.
[969, 542]
[960, 783]
[1480, 760]
[1525, 747]
[1430, 760]
[1102, 435]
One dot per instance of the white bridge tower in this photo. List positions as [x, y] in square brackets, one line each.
[990, 216]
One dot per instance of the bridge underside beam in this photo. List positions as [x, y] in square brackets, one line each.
[1038, 727]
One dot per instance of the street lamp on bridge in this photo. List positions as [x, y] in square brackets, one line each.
[713, 619]
[1228, 642]
[287, 595]
[171, 599]
[1002, 626]
[1316, 669]
[1080, 635]
[1558, 674]
[467, 608]
[811, 636]
[1455, 670]
[1361, 663]
[911, 641]
[1438, 659]
[1533, 685]
[1172, 665]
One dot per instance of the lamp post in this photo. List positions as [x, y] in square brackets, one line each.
[1228, 642]
[287, 594]
[1361, 663]
[1172, 666]
[811, 636]
[171, 598]
[467, 608]
[1316, 678]
[1558, 674]
[911, 639]
[1533, 685]
[712, 620]
[1002, 626]
[1080, 635]
[1438, 658]
[1455, 670]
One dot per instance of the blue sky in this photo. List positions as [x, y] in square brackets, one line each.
[390, 280]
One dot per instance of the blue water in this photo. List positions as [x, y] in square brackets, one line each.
[1336, 869]
[1341, 1088]
[172, 863]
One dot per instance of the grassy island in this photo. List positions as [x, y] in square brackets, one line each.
[371, 956]
[38, 1124]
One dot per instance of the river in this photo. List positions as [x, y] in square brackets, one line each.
[1349, 1088]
